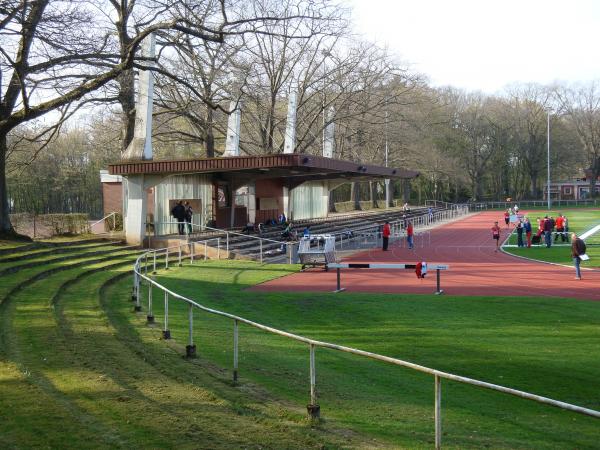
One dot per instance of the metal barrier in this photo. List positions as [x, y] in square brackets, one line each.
[437, 267]
[229, 233]
[114, 221]
[140, 274]
[477, 206]
[398, 227]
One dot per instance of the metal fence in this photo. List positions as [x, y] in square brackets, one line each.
[225, 241]
[478, 206]
[140, 277]
[368, 236]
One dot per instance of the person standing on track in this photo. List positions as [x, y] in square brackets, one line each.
[527, 228]
[560, 229]
[496, 235]
[548, 225]
[507, 217]
[386, 235]
[577, 249]
[520, 229]
[409, 235]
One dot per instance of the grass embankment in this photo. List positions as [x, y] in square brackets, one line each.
[74, 375]
[545, 346]
[579, 222]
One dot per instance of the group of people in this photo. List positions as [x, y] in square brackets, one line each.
[386, 232]
[183, 212]
[546, 227]
[260, 228]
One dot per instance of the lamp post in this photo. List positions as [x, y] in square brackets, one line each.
[387, 180]
[548, 194]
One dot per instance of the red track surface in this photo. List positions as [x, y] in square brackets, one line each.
[475, 269]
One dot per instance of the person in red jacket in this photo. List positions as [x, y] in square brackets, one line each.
[386, 236]
[496, 235]
[409, 235]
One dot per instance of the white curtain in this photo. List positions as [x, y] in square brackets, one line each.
[310, 200]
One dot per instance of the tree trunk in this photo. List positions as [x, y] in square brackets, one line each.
[209, 140]
[391, 191]
[355, 195]
[331, 207]
[127, 102]
[6, 228]
[534, 189]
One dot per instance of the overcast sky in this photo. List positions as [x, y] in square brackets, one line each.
[485, 44]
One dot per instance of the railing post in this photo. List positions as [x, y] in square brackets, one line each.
[218, 248]
[190, 349]
[150, 316]
[167, 258]
[314, 410]
[261, 253]
[205, 250]
[191, 253]
[166, 332]
[438, 412]
[235, 350]
[138, 305]
[179, 255]
[146, 265]
[227, 243]
[154, 263]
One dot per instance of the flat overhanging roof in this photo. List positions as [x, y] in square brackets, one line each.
[294, 166]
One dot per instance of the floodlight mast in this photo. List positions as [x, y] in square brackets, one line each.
[548, 140]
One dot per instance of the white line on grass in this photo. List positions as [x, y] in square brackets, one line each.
[590, 232]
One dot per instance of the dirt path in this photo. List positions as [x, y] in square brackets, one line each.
[475, 269]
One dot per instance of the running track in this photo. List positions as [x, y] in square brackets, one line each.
[475, 269]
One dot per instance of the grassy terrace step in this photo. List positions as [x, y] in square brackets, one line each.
[11, 283]
[69, 379]
[7, 247]
[11, 267]
[44, 250]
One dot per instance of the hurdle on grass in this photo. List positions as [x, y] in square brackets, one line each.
[437, 267]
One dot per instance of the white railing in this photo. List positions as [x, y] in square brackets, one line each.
[114, 221]
[371, 234]
[140, 274]
[476, 206]
[228, 233]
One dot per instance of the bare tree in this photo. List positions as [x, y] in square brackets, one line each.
[58, 55]
[581, 104]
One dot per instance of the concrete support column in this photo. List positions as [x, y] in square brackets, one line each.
[140, 146]
[387, 193]
[252, 202]
[232, 144]
[290, 128]
[135, 220]
[287, 202]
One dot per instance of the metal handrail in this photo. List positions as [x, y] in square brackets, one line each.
[106, 217]
[228, 232]
[438, 374]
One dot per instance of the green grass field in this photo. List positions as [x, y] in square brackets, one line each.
[79, 369]
[545, 346]
[579, 222]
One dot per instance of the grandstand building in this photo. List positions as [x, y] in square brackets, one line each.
[231, 191]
